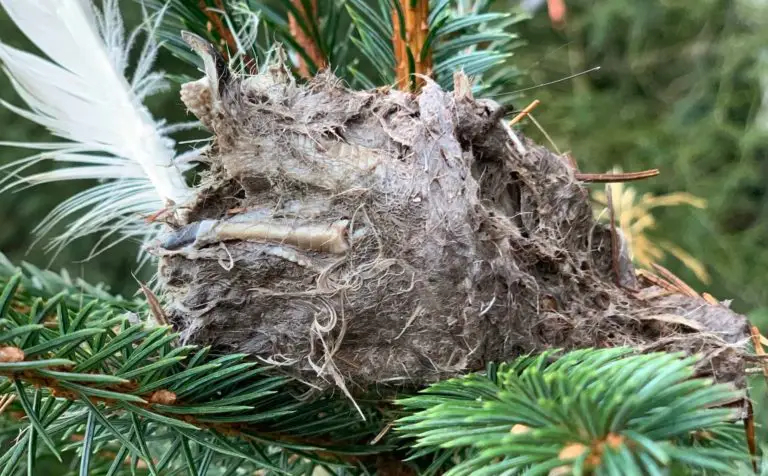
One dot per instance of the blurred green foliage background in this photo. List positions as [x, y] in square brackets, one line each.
[679, 89]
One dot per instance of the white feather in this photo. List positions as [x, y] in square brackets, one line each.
[82, 95]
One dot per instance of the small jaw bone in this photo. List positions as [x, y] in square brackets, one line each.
[321, 238]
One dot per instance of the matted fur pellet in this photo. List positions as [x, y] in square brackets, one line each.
[378, 238]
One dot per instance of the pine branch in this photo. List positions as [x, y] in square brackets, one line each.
[588, 412]
[86, 379]
[125, 387]
[227, 38]
[305, 11]
[46, 284]
[368, 44]
[410, 20]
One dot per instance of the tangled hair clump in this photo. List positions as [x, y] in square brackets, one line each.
[378, 238]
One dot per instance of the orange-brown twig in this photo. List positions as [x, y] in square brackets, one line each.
[304, 40]
[216, 23]
[158, 215]
[524, 112]
[681, 285]
[155, 308]
[619, 177]
[758, 344]
[656, 281]
[415, 16]
[710, 299]
[229, 44]
[401, 52]
[749, 429]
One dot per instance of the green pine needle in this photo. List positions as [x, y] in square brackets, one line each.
[102, 392]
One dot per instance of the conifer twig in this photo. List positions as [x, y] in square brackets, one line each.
[681, 285]
[710, 299]
[410, 20]
[215, 23]
[155, 308]
[524, 112]
[163, 397]
[749, 430]
[758, 344]
[303, 39]
[228, 46]
[490, 415]
[119, 372]
[656, 280]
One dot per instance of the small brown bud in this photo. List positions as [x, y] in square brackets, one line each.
[572, 451]
[9, 355]
[613, 440]
[702, 435]
[163, 397]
